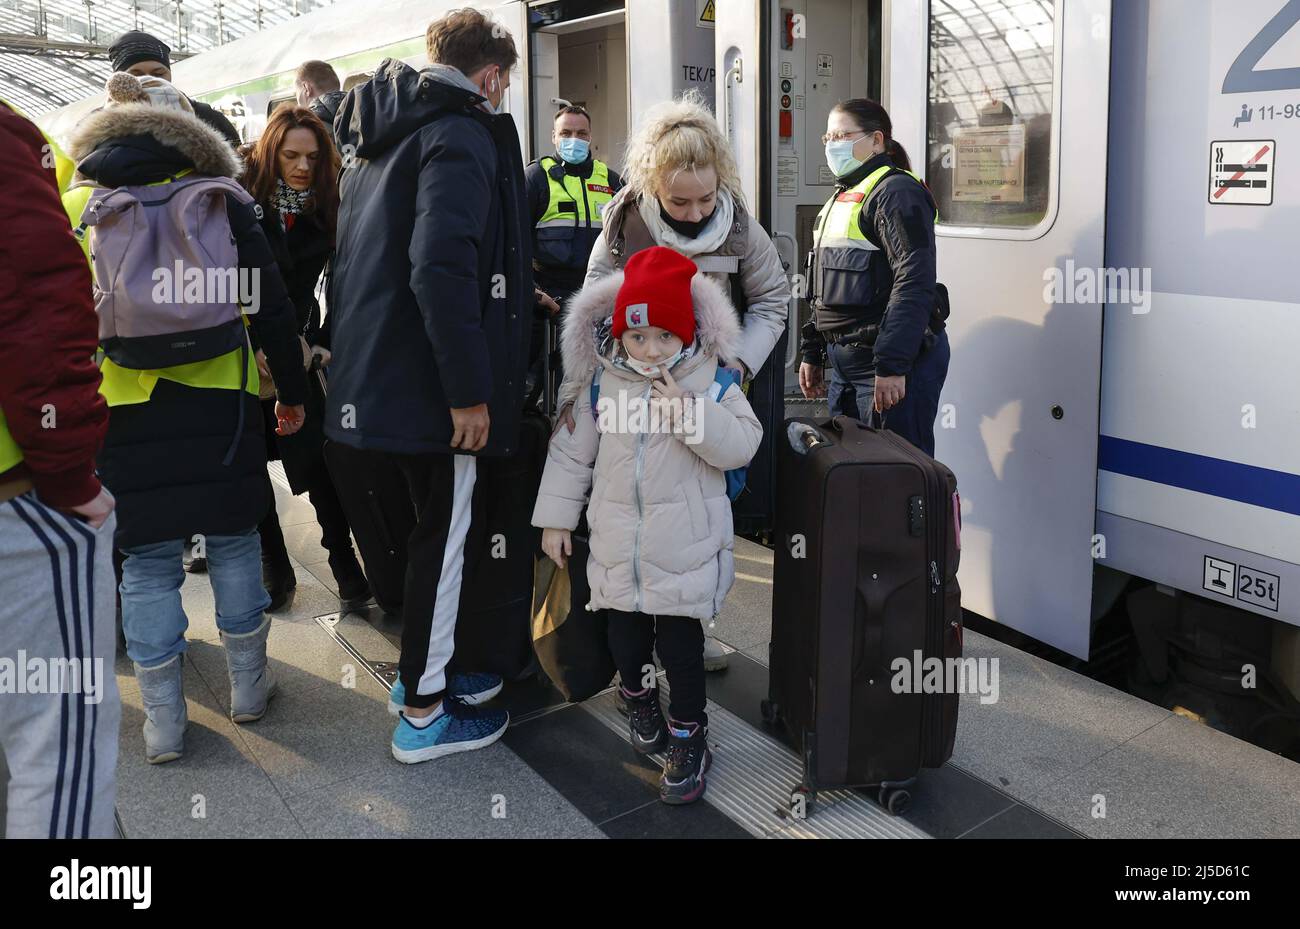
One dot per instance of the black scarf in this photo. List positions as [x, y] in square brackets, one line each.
[683, 227]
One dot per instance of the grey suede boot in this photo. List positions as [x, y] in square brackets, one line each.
[251, 682]
[164, 707]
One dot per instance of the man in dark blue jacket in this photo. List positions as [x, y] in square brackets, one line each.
[432, 300]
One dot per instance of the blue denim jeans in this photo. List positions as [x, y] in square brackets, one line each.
[853, 383]
[153, 620]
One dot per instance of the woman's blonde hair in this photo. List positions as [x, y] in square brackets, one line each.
[679, 135]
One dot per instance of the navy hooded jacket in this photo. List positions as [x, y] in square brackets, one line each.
[432, 286]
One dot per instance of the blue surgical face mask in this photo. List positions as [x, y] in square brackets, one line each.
[839, 156]
[572, 150]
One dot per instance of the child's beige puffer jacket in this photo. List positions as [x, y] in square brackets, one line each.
[661, 534]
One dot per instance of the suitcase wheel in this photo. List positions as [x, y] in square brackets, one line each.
[895, 800]
[801, 802]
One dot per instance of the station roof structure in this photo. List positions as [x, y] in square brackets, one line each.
[55, 52]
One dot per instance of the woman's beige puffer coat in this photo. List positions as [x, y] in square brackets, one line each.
[661, 533]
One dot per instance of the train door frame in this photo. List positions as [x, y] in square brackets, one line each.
[547, 92]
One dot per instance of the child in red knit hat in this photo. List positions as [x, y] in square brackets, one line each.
[652, 457]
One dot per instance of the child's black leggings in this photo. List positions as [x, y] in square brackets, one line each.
[634, 637]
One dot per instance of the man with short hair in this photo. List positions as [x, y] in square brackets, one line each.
[567, 193]
[432, 294]
[319, 90]
[143, 55]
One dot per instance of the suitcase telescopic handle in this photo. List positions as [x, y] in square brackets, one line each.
[804, 437]
[841, 422]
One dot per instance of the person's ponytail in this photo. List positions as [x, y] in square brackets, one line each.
[898, 154]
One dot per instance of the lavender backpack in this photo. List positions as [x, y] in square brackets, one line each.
[168, 288]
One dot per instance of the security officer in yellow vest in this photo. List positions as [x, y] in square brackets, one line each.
[878, 312]
[567, 193]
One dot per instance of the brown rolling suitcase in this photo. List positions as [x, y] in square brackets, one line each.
[867, 540]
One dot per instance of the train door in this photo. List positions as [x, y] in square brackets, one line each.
[782, 67]
[998, 103]
[580, 57]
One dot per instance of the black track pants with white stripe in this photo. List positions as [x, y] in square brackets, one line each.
[442, 488]
[59, 706]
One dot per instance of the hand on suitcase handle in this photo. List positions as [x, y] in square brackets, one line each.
[320, 357]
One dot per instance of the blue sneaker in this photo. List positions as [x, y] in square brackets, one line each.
[458, 729]
[472, 688]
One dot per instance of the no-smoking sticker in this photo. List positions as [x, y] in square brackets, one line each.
[1242, 172]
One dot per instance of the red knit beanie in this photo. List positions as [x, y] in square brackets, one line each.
[656, 291]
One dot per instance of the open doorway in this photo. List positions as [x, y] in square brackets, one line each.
[583, 62]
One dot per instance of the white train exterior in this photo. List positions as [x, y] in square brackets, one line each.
[1119, 189]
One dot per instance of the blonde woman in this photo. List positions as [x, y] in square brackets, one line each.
[683, 191]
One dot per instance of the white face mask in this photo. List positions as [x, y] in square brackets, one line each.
[645, 369]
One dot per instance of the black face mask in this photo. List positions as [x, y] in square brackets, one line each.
[681, 226]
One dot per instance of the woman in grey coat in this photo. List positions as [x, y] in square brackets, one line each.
[683, 191]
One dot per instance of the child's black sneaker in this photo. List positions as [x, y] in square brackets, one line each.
[645, 720]
[688, 761]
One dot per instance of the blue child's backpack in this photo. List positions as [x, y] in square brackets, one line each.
[723, 378]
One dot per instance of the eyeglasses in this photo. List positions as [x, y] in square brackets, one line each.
[841, 136]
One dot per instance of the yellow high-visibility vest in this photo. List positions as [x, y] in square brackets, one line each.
[568, 230]
[843, 252]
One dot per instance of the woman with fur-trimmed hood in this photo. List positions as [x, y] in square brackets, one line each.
[652, 455]
[185, 455]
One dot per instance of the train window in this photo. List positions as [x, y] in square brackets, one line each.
[989, 119]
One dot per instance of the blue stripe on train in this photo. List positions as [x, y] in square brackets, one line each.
[1274, 490]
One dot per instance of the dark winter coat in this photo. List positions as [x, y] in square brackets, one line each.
[163, 459]
[432, 286]
[301, 253]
